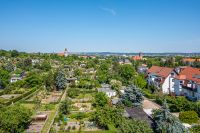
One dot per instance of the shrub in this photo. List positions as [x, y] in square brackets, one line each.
[189, 117]
[195, 129]
[73, 92]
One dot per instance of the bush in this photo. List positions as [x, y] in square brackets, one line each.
[189, 117]
[73, 92]
[195, 129]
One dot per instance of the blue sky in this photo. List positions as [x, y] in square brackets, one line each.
[100, 25]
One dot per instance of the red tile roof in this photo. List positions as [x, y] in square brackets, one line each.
[160, 71]
[190, 60]
[137, 57]
[61, 54]
[189, 73]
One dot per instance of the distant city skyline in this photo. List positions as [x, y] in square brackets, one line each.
[132, 26]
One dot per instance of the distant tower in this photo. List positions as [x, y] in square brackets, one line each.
[66, 53]
[140, 54]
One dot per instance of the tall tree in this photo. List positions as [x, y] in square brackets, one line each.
[127, 73]
[166, 122]
[65, 107]
[134, 126]
[132, 96]
[49, 81]
[101, 99]
[14, 119]
[60, 80]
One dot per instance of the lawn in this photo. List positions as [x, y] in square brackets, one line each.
[29, 105]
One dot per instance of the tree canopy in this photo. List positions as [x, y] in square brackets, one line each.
[132, 96]
[14, 119]
[166, 122]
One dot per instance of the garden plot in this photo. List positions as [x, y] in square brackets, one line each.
[9, 96]
[72, 126]
[83, 107]
[90, 126]
[38, 122]
[52, 98]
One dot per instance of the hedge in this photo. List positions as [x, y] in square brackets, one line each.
[20, 97]
[189, 117]
[195, 129]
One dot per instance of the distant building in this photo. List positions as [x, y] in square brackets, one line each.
[138, 57]
[190, 60]
[125, 62]
[162, 78]
[65, 53]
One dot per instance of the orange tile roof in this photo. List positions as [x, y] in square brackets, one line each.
[61, 54]
[160, 71]
[137, 57]
[189, 73]
[190, 60]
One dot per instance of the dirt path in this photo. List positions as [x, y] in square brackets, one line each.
[148, 104]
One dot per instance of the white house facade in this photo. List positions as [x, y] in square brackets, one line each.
[162, 78]
[187, 83]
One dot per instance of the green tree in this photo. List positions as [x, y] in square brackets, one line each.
[60, 80]
[4, 78]
[140, 81]
[45, 66]
[127, 73]
[105, 116]
[190, 117]
[116, 85]
[101, 99]
[14, 53]
[14, 119]
[9, 67]
[102, 73]
[166, 122]
[49, 81]
[33, 80]
[65, 107]
[132, 96]
[134, 126]
[195, 129]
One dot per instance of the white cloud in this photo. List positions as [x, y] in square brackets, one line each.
[109, 10]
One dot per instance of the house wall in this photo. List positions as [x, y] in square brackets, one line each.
[177, 87]
[111, 94]
[181, 91]
[167, 84]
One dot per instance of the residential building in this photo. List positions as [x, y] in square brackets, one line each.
[142, 69]
[107, 90]
[187, 83]
[162, 78]
[125, 62]
[15, 78]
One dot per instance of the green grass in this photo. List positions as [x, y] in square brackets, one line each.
[28, 105]
[49, 120]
